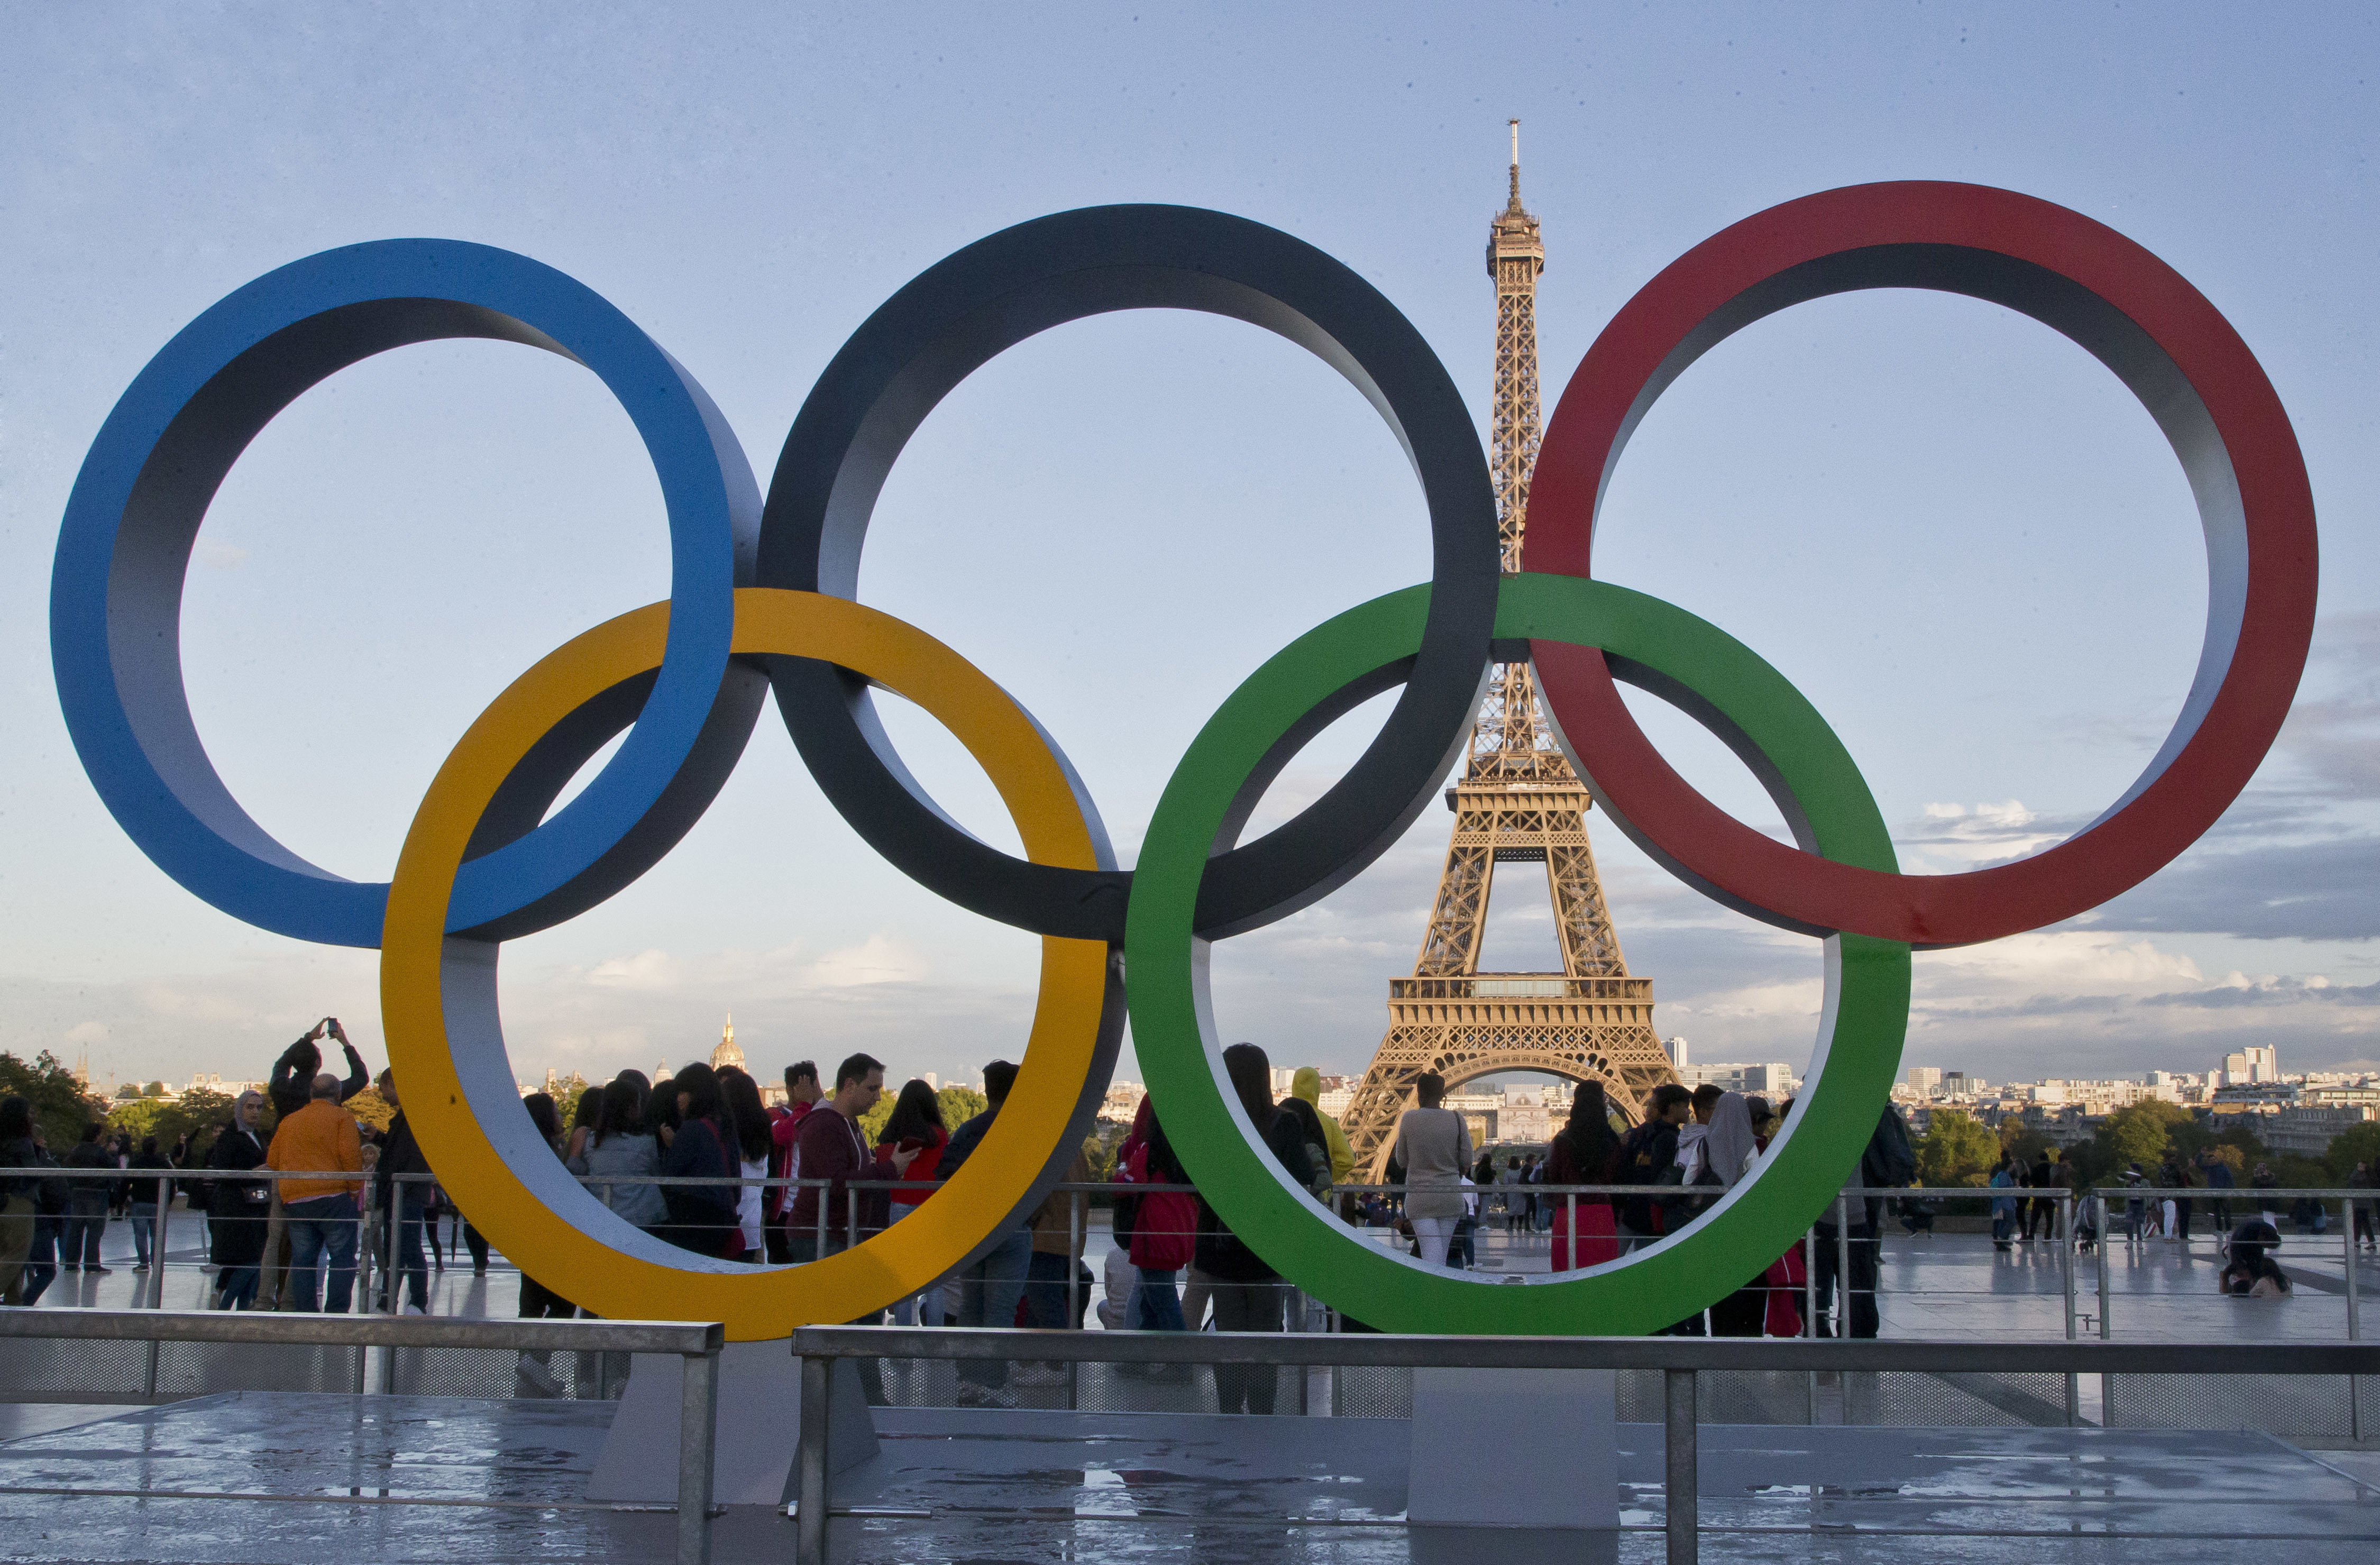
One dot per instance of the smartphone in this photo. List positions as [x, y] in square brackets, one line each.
[913, 1144]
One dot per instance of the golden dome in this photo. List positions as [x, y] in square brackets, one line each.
[727, 1054]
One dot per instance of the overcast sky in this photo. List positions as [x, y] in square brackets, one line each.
[1950, 528]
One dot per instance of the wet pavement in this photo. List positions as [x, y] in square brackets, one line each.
[278, 1478]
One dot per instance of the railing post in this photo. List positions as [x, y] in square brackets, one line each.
[2354, 1320]
[2107, 1323]
[809, 1463]
[1681, 1501]
[1842, 1322]
[1077, 1219]
[1810, 1305]
[158, 1226]
[2066, 1279]
[697, 1419]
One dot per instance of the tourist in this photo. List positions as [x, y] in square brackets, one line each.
[749, 1128]
[1719, 1156]
[2136, 1206]
[238, 1208]
[2250, 1273]
[539, 1302]
[2041, 1211]
[290, 1086]
[1307, 1087]
[915, 1127]
[2268, 1207]
[87, 1200]
[785, 1123]
[831, 1147]
[1249, 1294]
[1888, 1162]
[42, 1260]
[145, 1168]
[1432, 1146]
[701, 1217]
[2359, 1210]
[1058, 1242]
[624, 1153]
[584, 1117]
[991, 1286]
[1644, 1152]
[320, 1214]
[2004, 1207]
[401, 1179]
[2216, 1173]
[1124, 1211]
[1584, 1153]
[1164, 1234]
[2178, 1177]
[20, 1198]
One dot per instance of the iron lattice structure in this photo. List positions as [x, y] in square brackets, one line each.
[1517, 802]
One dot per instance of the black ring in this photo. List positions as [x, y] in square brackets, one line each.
[965, 309]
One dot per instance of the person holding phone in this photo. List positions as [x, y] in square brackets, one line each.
[915, 1130]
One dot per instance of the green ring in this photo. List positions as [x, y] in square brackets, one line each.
[1866, 1019]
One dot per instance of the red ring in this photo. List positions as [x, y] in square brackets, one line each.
[2129, 309]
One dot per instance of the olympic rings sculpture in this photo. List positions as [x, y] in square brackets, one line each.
[760, 603]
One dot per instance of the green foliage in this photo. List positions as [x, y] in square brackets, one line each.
[370, 1108]
[128, 1092]
[198, 1112]
[2144, 1133]
[1957, 1148]
[59, 1106]
[960, 1104]
[565, 1102]
[155, 1089]
[2358, 1144]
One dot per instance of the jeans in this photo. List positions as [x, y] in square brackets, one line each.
[322, 1226]
[405, 1253]
[20, 1218]
[1863, 1310]
[86, 1220]
[1160, 1307]
[919, 1309]
[989, 1291]
[1046, 1282]
[235, 1287]
[144, 1223]
[42, 1260]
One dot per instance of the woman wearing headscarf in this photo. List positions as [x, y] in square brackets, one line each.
[1721, 1158]
[1583, 1154]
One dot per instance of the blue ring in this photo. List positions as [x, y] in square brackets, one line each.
[133, 517]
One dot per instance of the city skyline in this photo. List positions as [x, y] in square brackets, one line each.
[418, 529]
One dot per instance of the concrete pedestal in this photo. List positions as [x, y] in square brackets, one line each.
[1513, 1447]
[760, 1415]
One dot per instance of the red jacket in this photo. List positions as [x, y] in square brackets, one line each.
[785, 1125]
[1164, 1235]
[921, 1167]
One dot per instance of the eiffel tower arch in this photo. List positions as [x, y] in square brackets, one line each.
[1517, 802]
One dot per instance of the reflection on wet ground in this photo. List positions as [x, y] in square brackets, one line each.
[280, 1478]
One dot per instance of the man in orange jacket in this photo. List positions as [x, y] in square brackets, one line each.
[319, 1213]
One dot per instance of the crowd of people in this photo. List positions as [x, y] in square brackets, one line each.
[701, 1162]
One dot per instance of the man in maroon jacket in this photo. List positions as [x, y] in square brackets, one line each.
[801, 1095]
[829, 1146]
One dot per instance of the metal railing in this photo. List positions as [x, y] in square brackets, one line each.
[697, 1343]
[1680, 1360]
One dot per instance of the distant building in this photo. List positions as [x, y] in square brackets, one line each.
[1677, 1048]
[1121, 1102]
[727, 1053]
[1771, 1079]
[1925, 1080]
[2309, 1131]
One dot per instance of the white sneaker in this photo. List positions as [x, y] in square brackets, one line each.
[413, 1309]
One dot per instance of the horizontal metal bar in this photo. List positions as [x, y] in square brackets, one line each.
[290, 1329]
[1591, 1352]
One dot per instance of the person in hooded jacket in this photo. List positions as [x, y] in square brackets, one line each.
[1584, 1153]
[1306, 1086]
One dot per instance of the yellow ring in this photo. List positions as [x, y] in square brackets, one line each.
[527, 1204]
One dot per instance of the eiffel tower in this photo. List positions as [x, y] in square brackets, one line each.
[1517, 802]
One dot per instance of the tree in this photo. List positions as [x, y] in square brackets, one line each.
[2361, 1144]
[60, 1105]
[196, 1114]
[960, 1104]
[155, 1089]
[1957, 1148]
[370, 1108]
[2141, 1133]
[128, 1092]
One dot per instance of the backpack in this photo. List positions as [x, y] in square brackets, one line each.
[1890, 1162]
[1638, 1162]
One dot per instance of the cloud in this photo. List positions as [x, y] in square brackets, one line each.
[86, 1032]
[2317, 890]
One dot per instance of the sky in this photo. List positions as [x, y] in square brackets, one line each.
[1949, 526]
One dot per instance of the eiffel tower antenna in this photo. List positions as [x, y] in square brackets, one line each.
[1516, 801]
